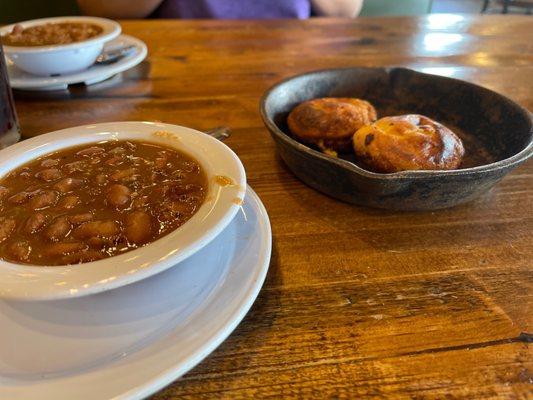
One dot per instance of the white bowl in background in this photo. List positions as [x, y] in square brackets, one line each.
[27, 282]
[62, 58]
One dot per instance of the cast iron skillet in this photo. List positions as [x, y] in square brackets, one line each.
[496, 132]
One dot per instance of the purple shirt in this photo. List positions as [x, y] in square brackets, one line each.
[234, 9]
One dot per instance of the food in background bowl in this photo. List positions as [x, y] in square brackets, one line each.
[75, 43]
[330, 123]
[51, 34]
[391, 144]
[91, 202]
[407, 142]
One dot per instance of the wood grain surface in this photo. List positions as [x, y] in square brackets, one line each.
[358, 302]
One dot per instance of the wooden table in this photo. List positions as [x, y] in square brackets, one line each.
[357, 302]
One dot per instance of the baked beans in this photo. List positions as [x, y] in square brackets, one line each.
[51, 34]
[95, 201]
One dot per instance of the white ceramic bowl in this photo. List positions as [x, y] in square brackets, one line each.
[63, 58]
[28, 282]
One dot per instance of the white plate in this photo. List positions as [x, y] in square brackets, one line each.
[216, 212]
[97, 73]
[132, 341]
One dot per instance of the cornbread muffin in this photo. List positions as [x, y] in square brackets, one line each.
[330, 123]
[407, 142]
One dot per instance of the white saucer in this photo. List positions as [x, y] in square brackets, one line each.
[97, 73]
[132, 341]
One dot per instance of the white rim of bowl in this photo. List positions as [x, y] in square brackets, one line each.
[111, 30]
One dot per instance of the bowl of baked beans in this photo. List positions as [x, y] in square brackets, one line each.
[59, 45]
[95, 207]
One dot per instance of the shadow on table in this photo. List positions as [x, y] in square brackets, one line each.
[244, 347]
[118, 84]
[389, 229]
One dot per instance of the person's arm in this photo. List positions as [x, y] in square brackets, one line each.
[337, 8]
[118, 8]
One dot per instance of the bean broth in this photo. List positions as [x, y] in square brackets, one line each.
[95, 201]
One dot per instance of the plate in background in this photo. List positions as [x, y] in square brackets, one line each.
[97, 73]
